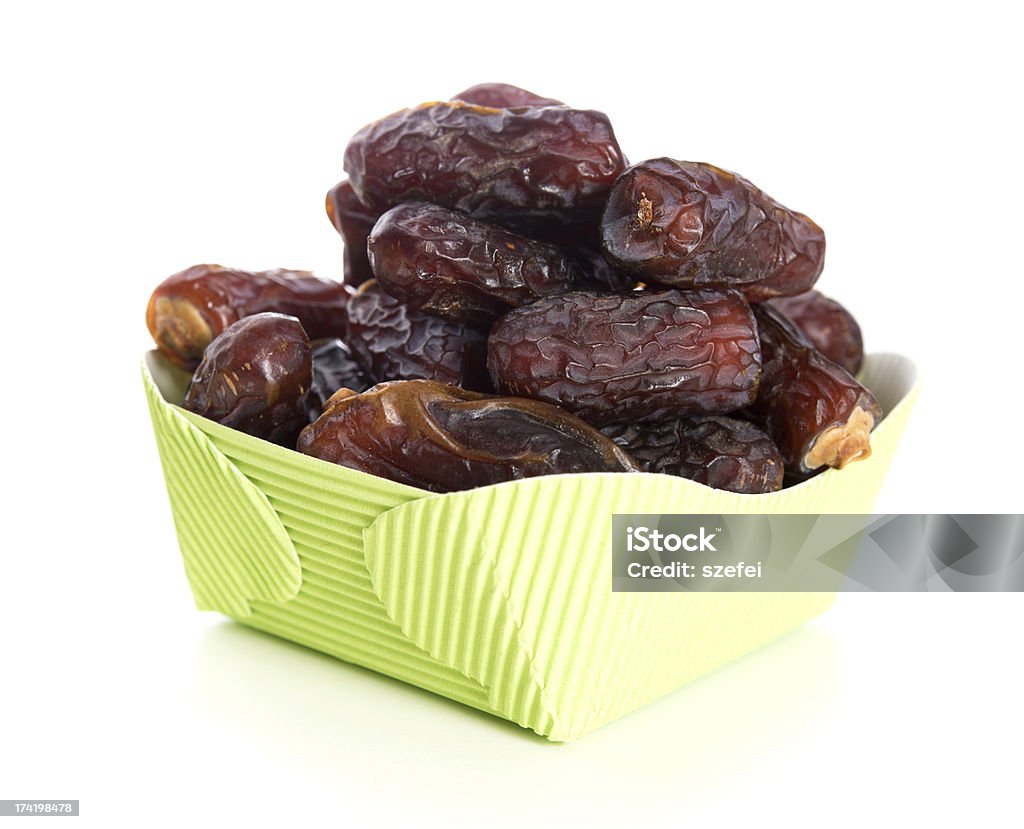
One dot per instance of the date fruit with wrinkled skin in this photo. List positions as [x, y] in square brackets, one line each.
[190, 308]
[392, 341]
[353, 222]
[503, 96]
[720, 452]
[828, 325]
[334, 367]
[513, 166]
[693, 225]
[815, 411]
[254, 377]
[442, 438]
[453, 266]
[630, 358]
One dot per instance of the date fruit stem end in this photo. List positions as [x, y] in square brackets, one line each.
[844, 443]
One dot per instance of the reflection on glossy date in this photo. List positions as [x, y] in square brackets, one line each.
[693, 225]
[454, 266]
[392, 341]
[190, 308]
[443, 438]
[720, 452]
[334, 367]
[828, 325]
[254, 378]
[501, 95]
[552, 164]
[815, 411]
[630, 358]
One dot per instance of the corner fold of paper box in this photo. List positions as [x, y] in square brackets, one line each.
[234, 546]
[438, 582]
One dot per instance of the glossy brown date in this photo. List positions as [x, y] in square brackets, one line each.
[453, 266]
[353, 222]
[828, 325]
[550, 164]
[190, 308]
[392, 341]
[815, 411]
[503, 95]
[442, 438]
[720, 452]
[630, 358]
[692, 225]
[334, 367]
[254, 377]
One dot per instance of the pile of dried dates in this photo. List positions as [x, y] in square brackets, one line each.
[519, 301]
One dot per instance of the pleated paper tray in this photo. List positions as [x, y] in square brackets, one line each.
[499, 597]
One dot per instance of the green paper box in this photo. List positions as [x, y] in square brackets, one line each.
[499, 597]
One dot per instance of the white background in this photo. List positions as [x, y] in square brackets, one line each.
[137, 140]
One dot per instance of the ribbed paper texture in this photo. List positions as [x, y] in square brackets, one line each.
[233, 544]
[499, 597]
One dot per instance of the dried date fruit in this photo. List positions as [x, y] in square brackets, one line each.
[630, 358]
[334, 367]
[392, 341]
[720, 452]
[502, 95]
[453, 266]
[550, 164]
[814, 410]
[353, 222]
[442, 438]
[254, 377]
[190, 308]
[828, 325]
[692, 225]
